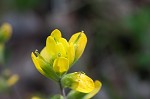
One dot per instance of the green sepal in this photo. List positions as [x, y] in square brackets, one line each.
[75, 95]
[67, 80]
[50, 73]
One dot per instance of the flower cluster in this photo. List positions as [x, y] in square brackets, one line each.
[57, 57]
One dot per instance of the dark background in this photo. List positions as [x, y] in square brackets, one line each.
[117, 52]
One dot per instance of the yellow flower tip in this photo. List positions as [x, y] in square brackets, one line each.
[45, 54]
[37, 63]
[71, 54]
[7, 28]
[35, 97]
[98, 86]
[79, 41]
[81, 45]
[34, 59]
[6, 31]
[51, 45]
[75, 38]
[61, 65]
[56, 34]
[64, 43]
[84, 83]
[12, 80]
[33, 56]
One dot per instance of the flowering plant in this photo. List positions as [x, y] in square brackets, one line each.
[7, 79]
[57, 57]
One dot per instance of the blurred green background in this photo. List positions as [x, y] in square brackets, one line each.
[117, 52]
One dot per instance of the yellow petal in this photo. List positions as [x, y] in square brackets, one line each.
[74, 38]
[61, 52]
[79, 41]
[81, 45]
[71, 54]
[61, 65]
[51, 45]
[64, 43]
[35, 97]
[98, 86]
[36, 63]
[46, 55]
[56, 34]
[84, 83]
[7, 27]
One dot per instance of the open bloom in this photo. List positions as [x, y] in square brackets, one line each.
[82, 83]
[58, 55]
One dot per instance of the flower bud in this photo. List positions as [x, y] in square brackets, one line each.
[58, 55]
[5, 32]
[79, 41]
[12, 80]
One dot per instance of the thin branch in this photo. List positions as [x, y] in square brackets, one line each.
[62, 90]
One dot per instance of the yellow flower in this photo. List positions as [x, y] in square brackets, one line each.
[12, 80]
[5, 32]
[35, 97]
[98, 86]
[78, 81]
[79, 95]
[58, 55]
[79, 41]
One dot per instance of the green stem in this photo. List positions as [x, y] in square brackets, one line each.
[62, 90]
